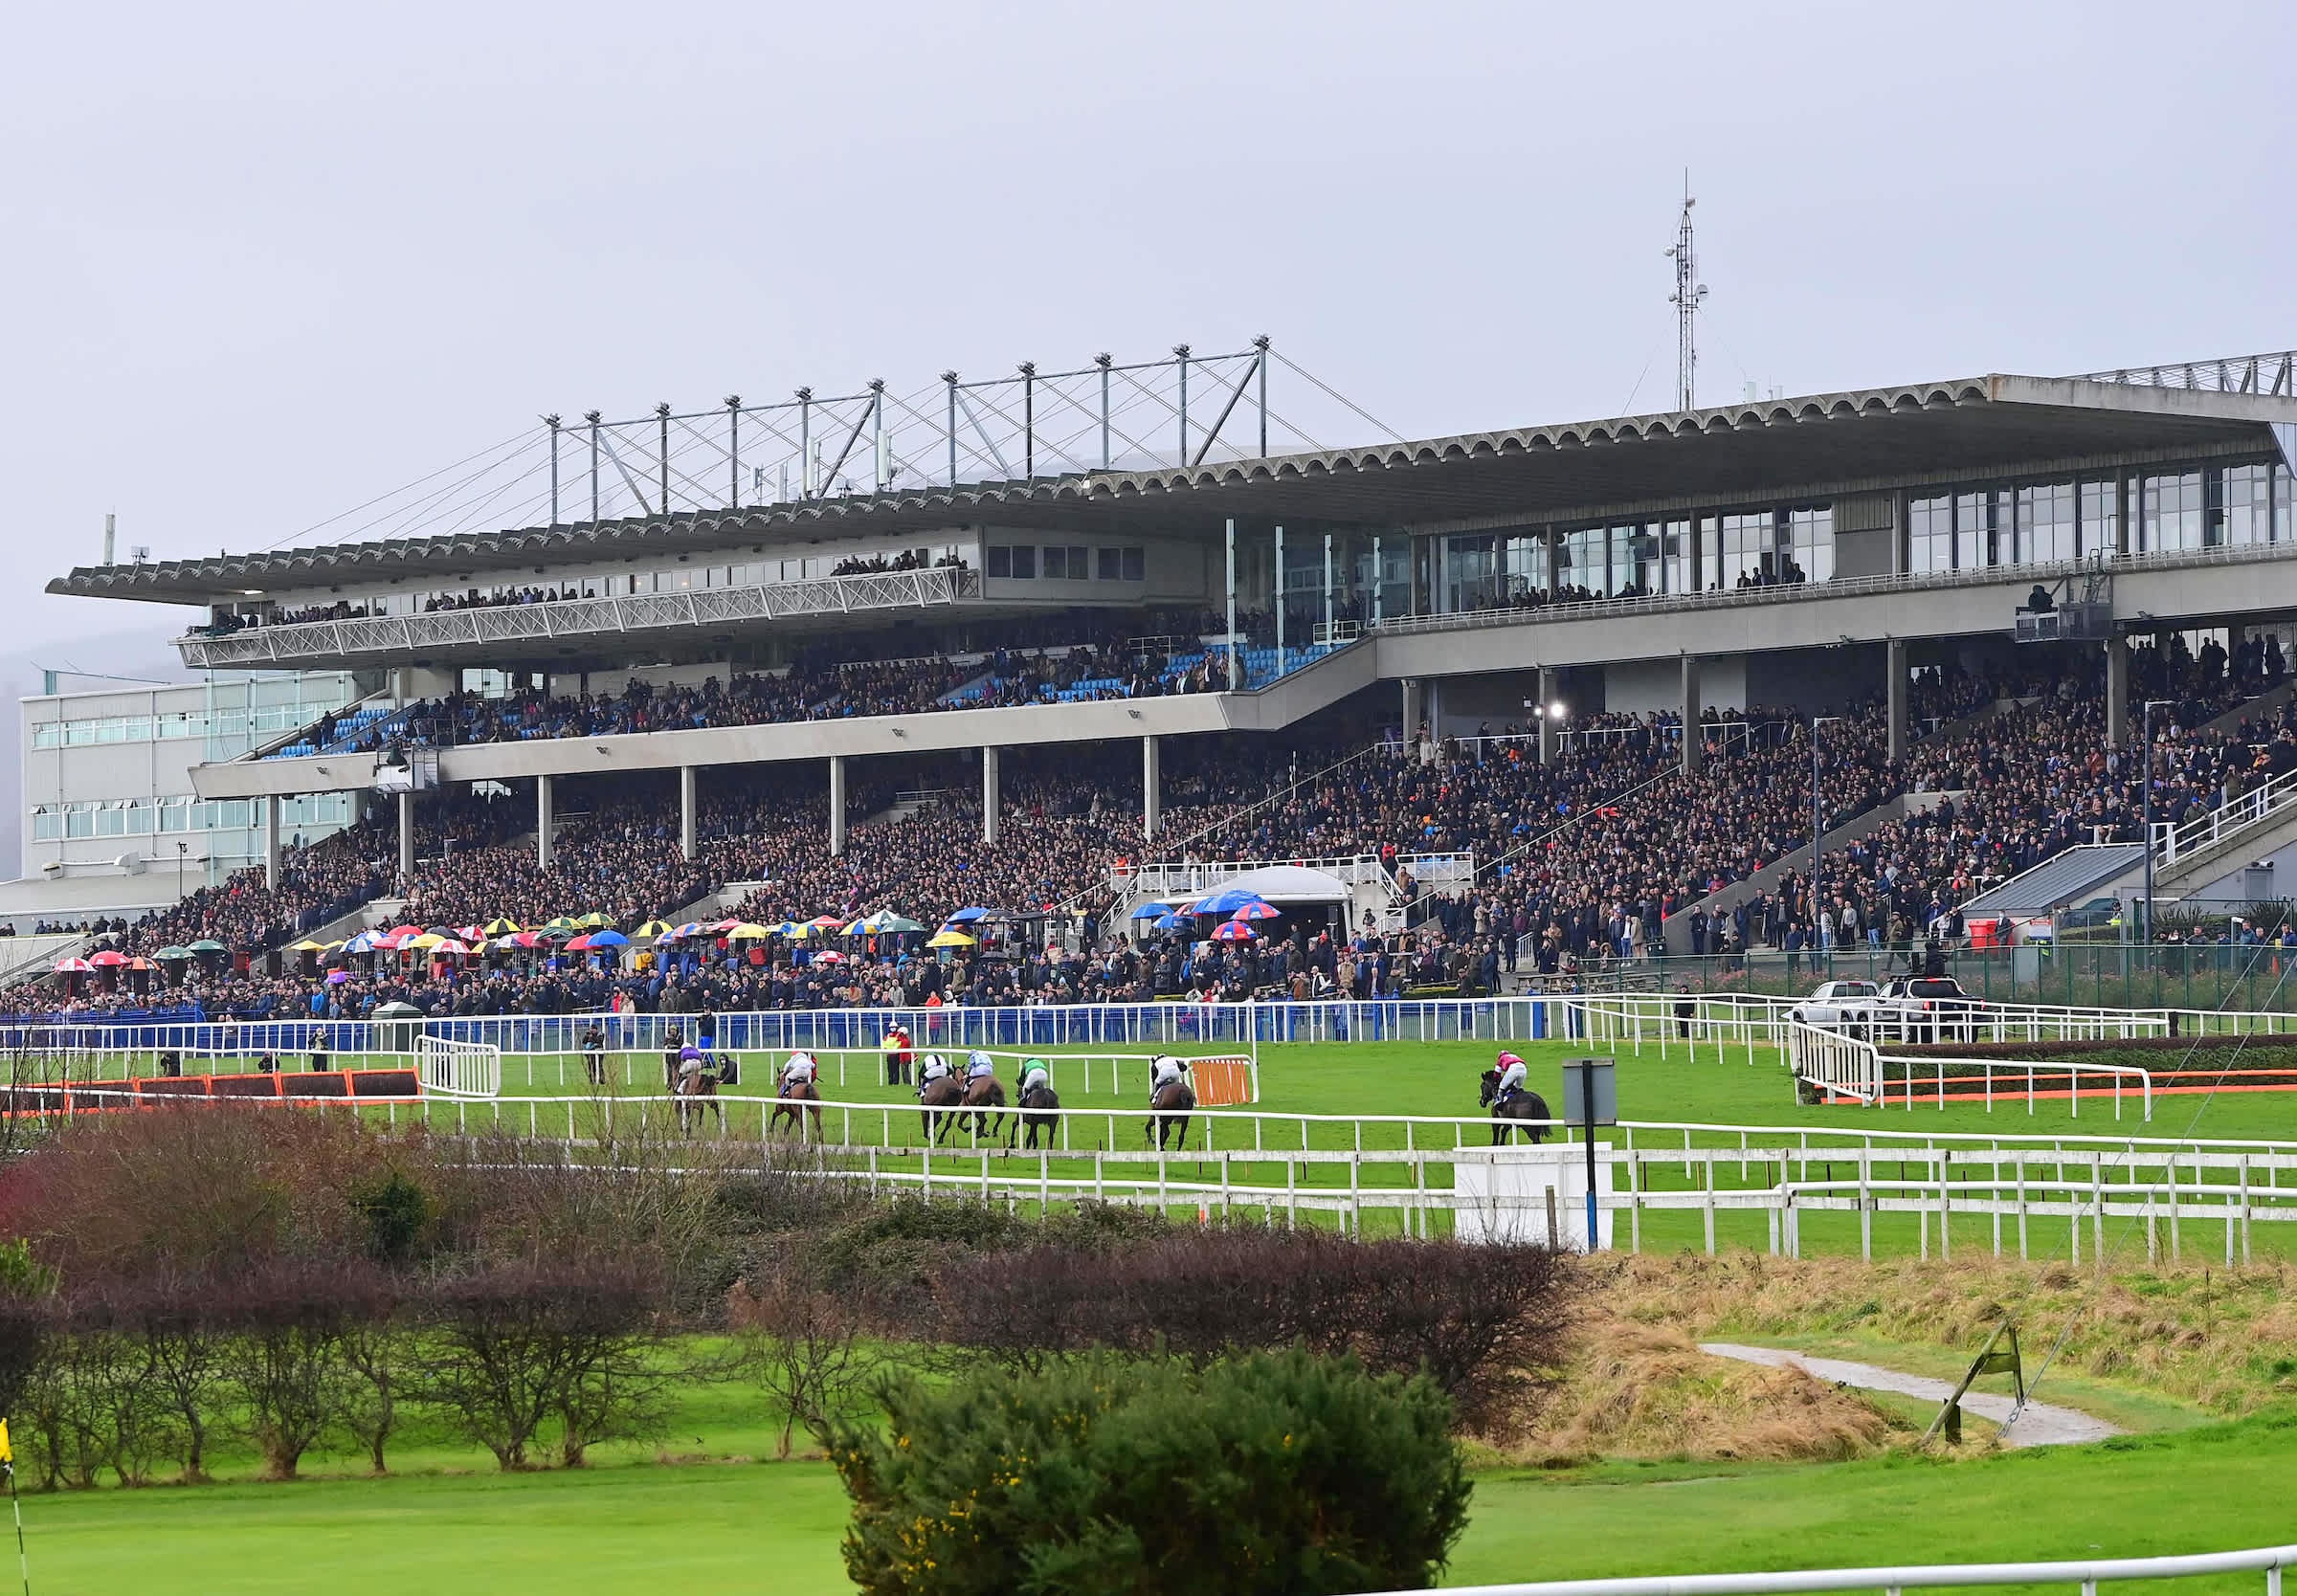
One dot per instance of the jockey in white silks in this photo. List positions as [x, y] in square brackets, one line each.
[931, 1069]
[1165, 1071]
[801, 1067]
[979, 1066]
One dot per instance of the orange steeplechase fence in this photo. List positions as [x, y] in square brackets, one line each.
[93, 1097]
[1221, 1082]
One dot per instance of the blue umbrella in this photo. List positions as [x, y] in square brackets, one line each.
[1167, 922]
[1226, 902]
[609, 939]
[1149, 910]
[1257, 909]
[965, 917]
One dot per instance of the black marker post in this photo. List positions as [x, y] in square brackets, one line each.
[1590, 1097]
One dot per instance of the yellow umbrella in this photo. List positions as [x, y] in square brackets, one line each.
[747, 932]
[428, 940]
[949, 937]
[308, 946]
[501, 925]
[593, 921]
[652, 928]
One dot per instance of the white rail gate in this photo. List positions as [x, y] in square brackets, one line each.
[460, 1069]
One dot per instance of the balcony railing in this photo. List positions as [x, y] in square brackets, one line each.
[1859, 587]
[580, 617]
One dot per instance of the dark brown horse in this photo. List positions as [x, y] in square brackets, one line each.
[938, 1099]
[983, 1095]
[1169, 1111]
[798, 1099]
[1038, 1112]
[695, 1088]
[1524, 1105]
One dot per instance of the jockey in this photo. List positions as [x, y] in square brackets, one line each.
[800, 1068]
[1036, 1074]
[1165, 1071]
[979, 1066]
[931, 1069]
[692, 1065]
[1512, 1073]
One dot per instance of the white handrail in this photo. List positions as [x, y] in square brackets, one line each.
[2267, 1560]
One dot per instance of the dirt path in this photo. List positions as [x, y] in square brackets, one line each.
[2040, 1424]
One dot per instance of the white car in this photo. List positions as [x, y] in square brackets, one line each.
[1840, 1005]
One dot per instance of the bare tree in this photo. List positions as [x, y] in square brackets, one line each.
[805, 1347]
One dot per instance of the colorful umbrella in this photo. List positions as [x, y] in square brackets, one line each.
[825, 922]
[107, 959]
[366, 942]
[73, 967]
[501, 925]
[792, 930]
[306, 946]
[580, 944]
[527, 939]
[894, 923]
[608, 938]
[560, 922]
[141, 965]
[1150, 911]
[336, 977]
[1232, 931]
[406, 931]
[949, 937]
[829, 956]
[1257, 909]
[173, 953]
[652, 928]
[209, 944]
[692, 928]
[470, 933]
[965, 917]
[1167, 922]
[744, 932]
[1226, 902]
[427, 941]
[452, 945]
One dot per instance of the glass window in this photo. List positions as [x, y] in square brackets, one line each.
[1981, 529]
[2285, 505]
[1810, 542]
[2247, 511]
[1112, 565]
[141, 819]
[1583, 565]
[1748, 548]
[2170, 513]
[1930, 535]
[1468, 574]
[111, 821]
[1024, 562]
[1136, 565]
[2046, 527]
[46, 824]
[79, 821]
[2101, 520]
[1057, 563]
[996, 559]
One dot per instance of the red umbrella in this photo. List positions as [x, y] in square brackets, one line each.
[579, 944]
[405, 931]
[108, 957]
[1232, 931]
[73, 967]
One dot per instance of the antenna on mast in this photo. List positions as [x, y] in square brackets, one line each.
[1688, 293]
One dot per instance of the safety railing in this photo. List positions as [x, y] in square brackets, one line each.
[2084, 1576]
[2203, 832]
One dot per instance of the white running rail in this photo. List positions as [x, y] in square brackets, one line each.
[460, 1069]
[2087, 1577]
[1837, 1064]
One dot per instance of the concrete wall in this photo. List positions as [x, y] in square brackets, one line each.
[1644, 686]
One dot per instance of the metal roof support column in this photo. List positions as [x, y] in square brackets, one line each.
[951, 378]
[1894, 689]
[988, 796]
[1280, 599]
[1236, 680]
[1181, 351]
[836, 806]
[734, 450]
[661, 413]
[405, 838]
[1412, 718]
[1152, 802]
[592, 417]
[544, 823]
[1261, 374]
[879, 446]
[1694, 742]
[1554, 541]
[1103, 362]
[271, 842]
[1327, 587]
[551, 421]
[1379, 579]
[2123, 538]
[687, 780]
[805, 443]
[1028, 371]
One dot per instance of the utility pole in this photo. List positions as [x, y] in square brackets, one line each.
[1688, 293]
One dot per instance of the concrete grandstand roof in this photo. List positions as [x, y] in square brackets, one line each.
[1730, 451]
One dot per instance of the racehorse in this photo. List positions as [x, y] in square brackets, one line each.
[1524, 1105]
[694, 1088]
[1168, 1112]
[1036, 1112]
[982, 1094]
[939, 1100]
[797, 1099]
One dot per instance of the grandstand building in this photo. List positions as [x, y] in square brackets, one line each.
[1795, 552]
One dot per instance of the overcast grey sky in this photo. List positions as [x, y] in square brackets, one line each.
[263, 262]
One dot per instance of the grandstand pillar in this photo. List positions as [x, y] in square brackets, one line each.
[271, 842]
[406, 835]
[1236, 680]
[1413, 712]
[1894, 692]
[836, 806]
[1551, 681]
[2123, 541]
[988, 796]
[1152, 799]
[1554, 543]
[1279, 600]
[1694, 745]
[544, 824]
[687, 780]
[1328, 586]
[2117, 689]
